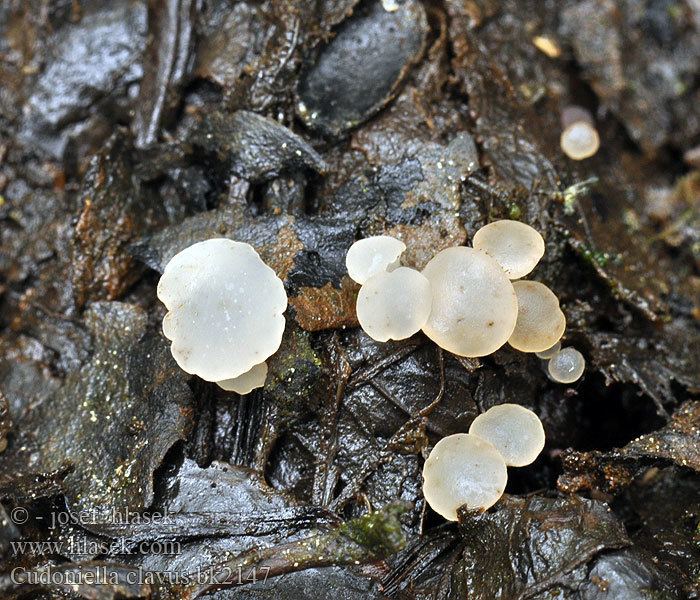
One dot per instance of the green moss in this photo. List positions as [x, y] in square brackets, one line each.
[514, 212]
[380, 533]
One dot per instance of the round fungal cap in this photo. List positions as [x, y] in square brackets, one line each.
[225, 309]
[247, 382]
[566, 366]
[463, 469]
[515, 246]
[580, 140]
[394, 305]
[515, 431]
[541, 322]
[474, 304]
[549, 352]
[373, 255]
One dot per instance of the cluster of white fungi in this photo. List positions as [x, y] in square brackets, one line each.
[470, 469]
[226, 317]
[470, 301]
[465, 299]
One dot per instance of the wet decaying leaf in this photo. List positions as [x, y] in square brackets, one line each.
[167, 60]
[114, 213]
[96, 430]
[358, 72]
[132, 129]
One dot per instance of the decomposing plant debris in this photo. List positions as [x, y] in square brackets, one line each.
[132, 129]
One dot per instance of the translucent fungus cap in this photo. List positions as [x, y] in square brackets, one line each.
[580, 140]
[247, 382]
[225, 308]
[373, 255]
[394, 305]
[515, 246]
[474, 304]
[549, 352]
[515, 431]
[541, 322]
[566, 366]
[463, 469]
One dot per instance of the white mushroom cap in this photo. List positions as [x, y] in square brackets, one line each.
[246, 383]
[580, 140]
[373, 255]
[463, 469]
[225, 308]
[549, 352]
[566, 366]
[515, 246]
[474, 304]
[541, 322]
[515, 431]
[394, 305]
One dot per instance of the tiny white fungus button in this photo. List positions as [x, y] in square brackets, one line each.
[394, 305]
[541, 322]
[566, 366]
[549, 352]
[247, 382]
[373, 255]
[463, 469]
[515, 431]
[515, 246]
[225, 309]
[579, 138]
[474, 304]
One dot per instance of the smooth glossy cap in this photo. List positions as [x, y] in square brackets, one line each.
[395, 305]
[474, 304]
[373, 255]
[515, 431]
[515, 246]
[580, 140]
[541, 322]
[566, 366]
[225, 309]
[463, 469]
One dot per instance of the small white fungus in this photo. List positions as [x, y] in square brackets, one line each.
[541, 322]
[373, 255]
[566, 366]
[549, 352]
[515, 431]
[463, 469]
[225, 309]
[515, 246]
[394, 305]
[579, 138]
[474, 304]
[247, 382]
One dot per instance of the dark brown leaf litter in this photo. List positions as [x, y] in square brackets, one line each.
[129, 131]
[102, 434]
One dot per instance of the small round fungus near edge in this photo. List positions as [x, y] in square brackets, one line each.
[463, 469]
[515, 246]
[514, 430]
[541, 322]
[566, 366]
[580, 140]
[394, 305]
[373, 255]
